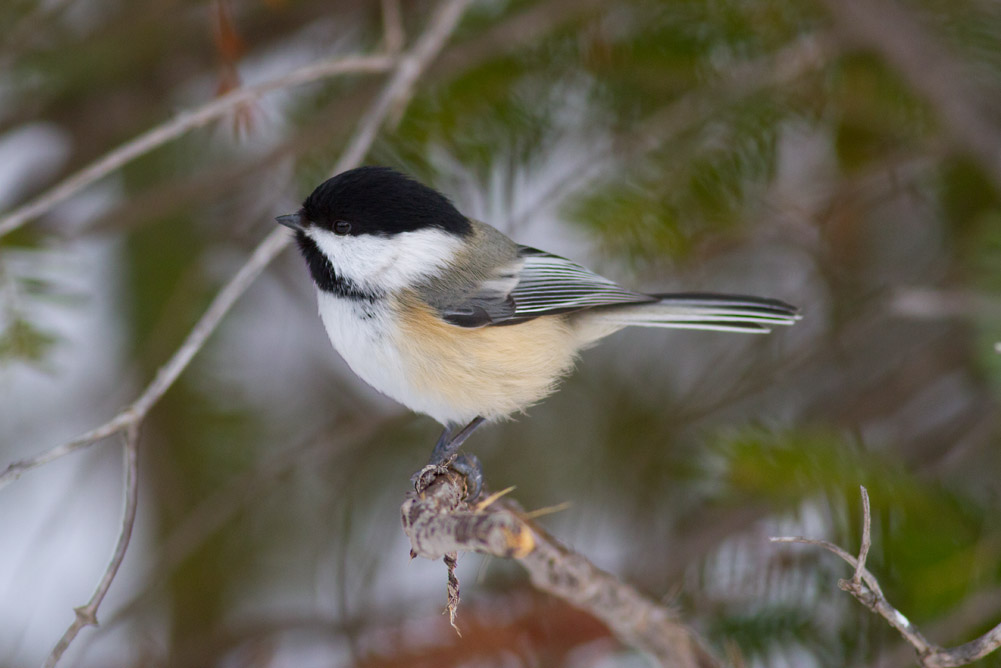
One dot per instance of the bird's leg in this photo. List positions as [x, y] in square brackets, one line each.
[447, 444]
[443, 456]
[439, 454]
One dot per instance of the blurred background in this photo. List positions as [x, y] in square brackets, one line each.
[841, 155]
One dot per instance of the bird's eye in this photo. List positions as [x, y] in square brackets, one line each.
[342, 227]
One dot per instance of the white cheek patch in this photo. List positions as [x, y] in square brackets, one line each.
[387, 263]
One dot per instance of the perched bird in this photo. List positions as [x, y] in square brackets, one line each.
[453, 319]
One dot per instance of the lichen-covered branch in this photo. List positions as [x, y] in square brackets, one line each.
[438, 522]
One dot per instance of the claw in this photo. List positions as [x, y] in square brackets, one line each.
[444, 457]
[423, 478]
[469, 466]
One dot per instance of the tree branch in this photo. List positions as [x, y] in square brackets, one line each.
[180, 125]
[399, 89]
[392, 27]
[865, 588]
[86, 615]
[135, 412]
[438, 523]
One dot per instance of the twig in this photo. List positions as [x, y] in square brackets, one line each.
[438, 522]
[392, 27]
[863, 553]
[397, 94]
[865, 588]
[973, 612]
[180, 125]
[935, 304]
[400, 86]
[135, 412]
[86, 615]
[219, 508]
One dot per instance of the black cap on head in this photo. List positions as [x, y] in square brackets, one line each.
[381, 201]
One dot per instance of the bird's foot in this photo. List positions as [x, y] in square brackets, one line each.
[467, 465]
[423, 478]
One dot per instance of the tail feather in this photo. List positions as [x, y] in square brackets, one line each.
[728, 313]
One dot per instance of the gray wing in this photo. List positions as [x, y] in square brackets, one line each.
[537, 284]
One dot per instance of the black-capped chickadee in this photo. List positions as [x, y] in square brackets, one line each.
[455, 320]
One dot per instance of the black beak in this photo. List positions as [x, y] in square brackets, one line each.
[293, 221]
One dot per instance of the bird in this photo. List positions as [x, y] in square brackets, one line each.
[453, 319]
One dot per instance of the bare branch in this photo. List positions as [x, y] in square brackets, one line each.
[398, 88]
[180, 125]
[134, 413]
[934, 304]
[392, 27]
[397, 94]
[438, 522]
[86, 615]
[219, 508]
[865, 588]
[866, 538]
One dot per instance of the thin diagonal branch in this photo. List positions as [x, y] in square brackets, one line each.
[439, 522]
[86, 615]
[399, 87]
[134, 413]
[865, 588]
[182, 124]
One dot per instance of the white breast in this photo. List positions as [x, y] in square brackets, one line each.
[362, 332]
[365, 333]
